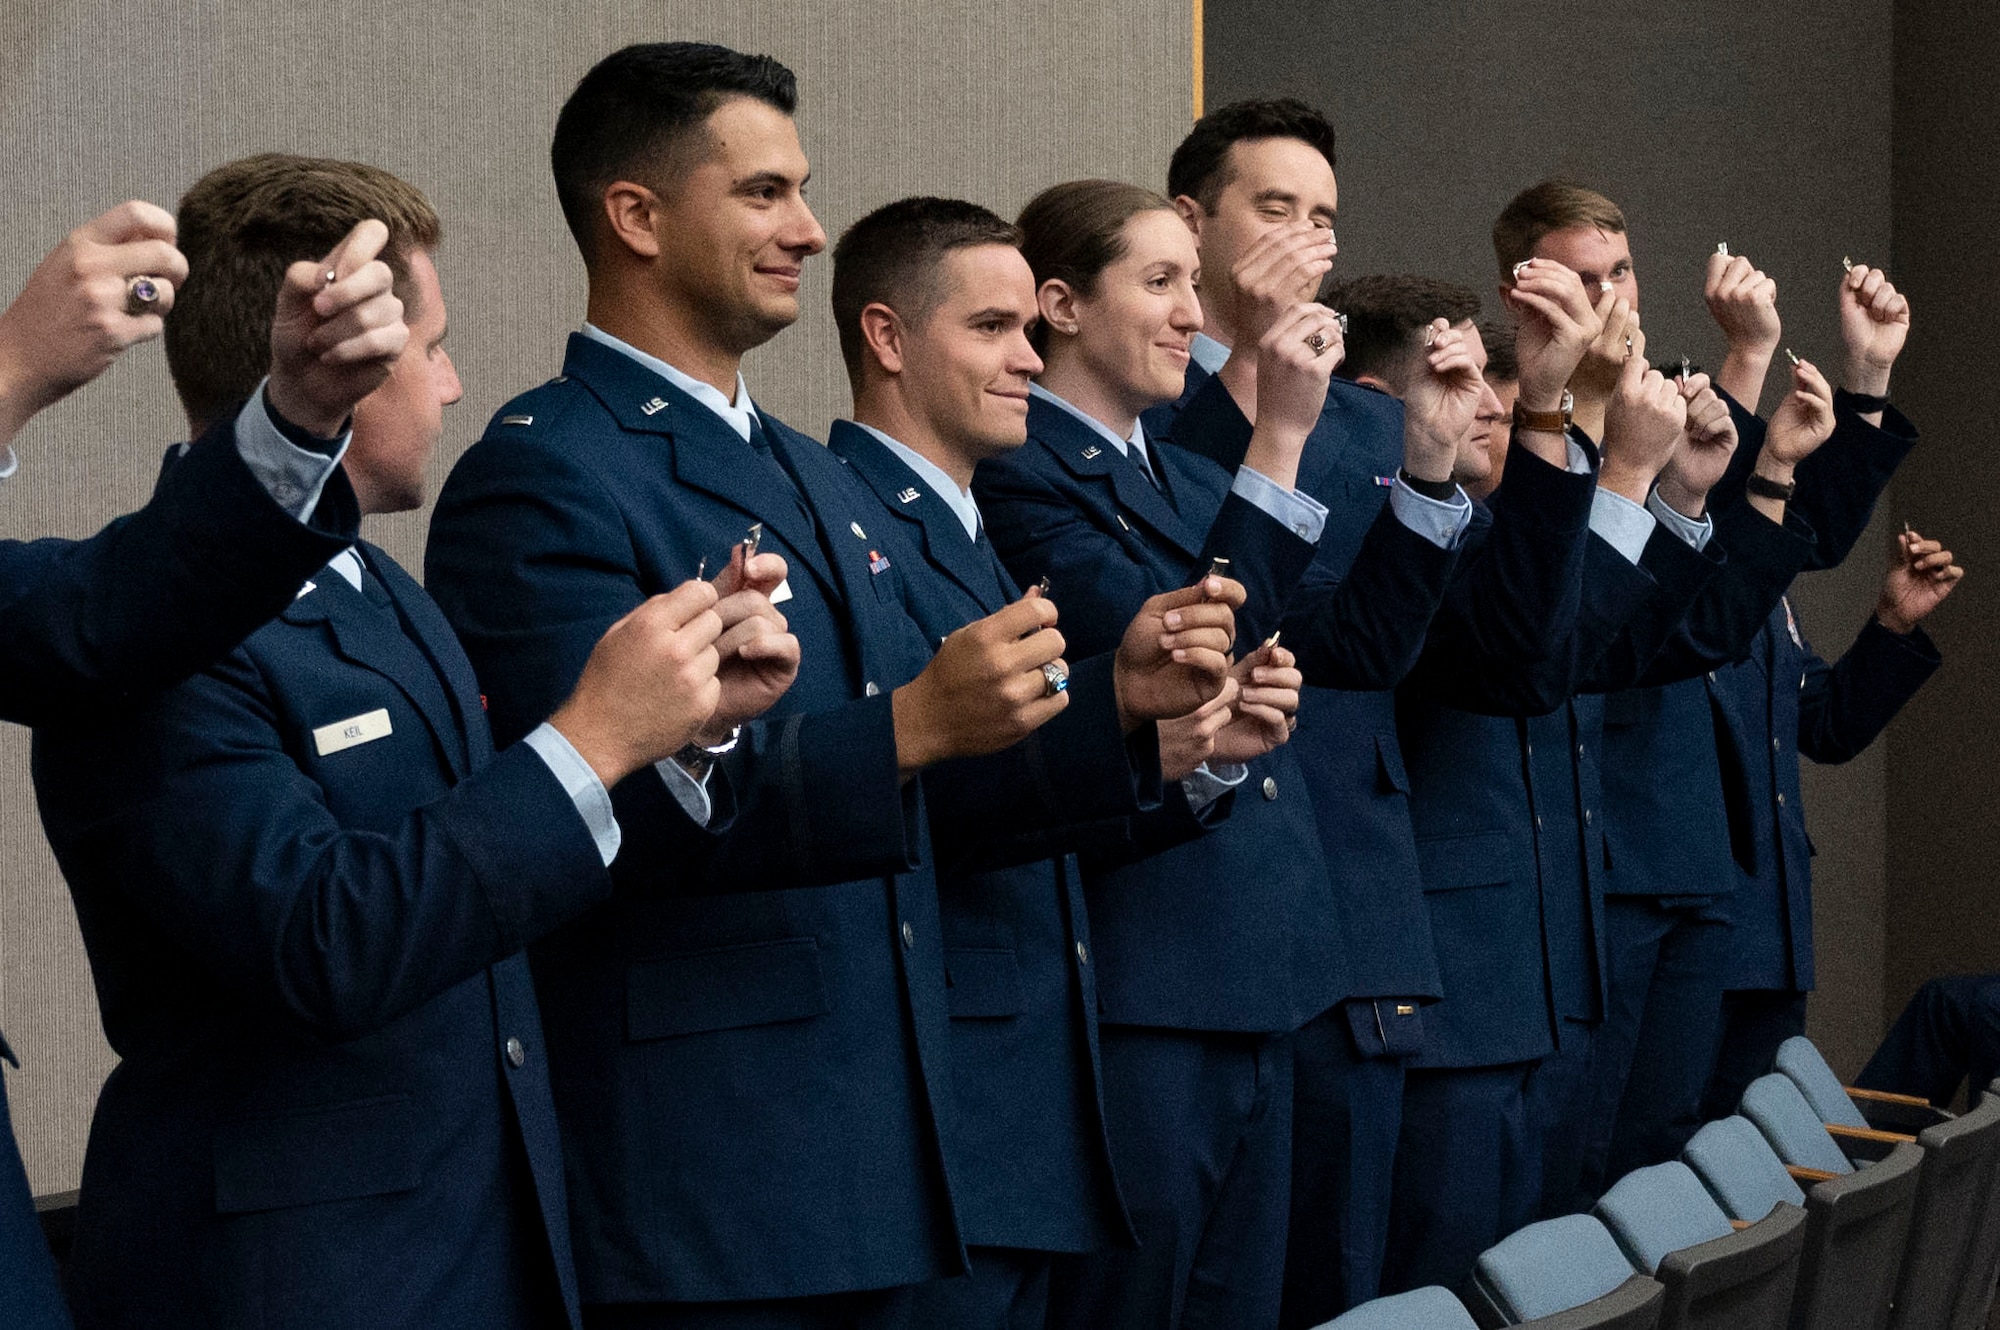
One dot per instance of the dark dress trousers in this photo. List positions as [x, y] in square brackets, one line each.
[87, 623]
[1348, 1092]
[1667, 844]
[304, 882]
[1782, 703]
[1198, 985]
[756, 1089]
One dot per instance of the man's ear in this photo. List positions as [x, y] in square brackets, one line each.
[1191, 212]
[1057, 303]
[882, 336]
[632, 215]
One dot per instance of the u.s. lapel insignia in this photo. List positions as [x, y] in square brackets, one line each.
[654, 407]
[855, 527]
[1791, 624]
[1092, 452]
[908, 495]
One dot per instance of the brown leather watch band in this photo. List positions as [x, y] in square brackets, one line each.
[1546, 422]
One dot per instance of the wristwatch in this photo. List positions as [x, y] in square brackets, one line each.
[698, 761]
[1766, 488]
[1545, 422]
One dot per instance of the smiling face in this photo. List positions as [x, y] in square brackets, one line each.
[1271, 183]
[966, 366]
[1133, 331]
[735, 231]
[1597, 256]
[397, 427]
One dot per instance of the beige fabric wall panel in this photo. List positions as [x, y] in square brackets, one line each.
[101, 100]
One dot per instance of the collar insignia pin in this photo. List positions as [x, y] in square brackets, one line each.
[654, 407]
[908, 495]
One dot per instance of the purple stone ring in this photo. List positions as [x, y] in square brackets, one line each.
[141, 295]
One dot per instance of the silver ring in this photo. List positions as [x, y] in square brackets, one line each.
[141, 295]
[329, 277]
[1517, 268]
[1055, 679]
[1317, 341]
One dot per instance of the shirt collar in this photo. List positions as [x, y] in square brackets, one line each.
[1137, 439]
[1208, 353]
[960, 501]
[737, 414]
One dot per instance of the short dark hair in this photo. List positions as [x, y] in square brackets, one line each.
[1200, 166]
[1552, 205]
[1503, 364]
[1384, 313]
[891, 257]
[241, 226]
[1073, 231]
[640, 114]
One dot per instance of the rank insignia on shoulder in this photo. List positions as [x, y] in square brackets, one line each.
[877, 562]
[1092, 451]
[654, 407]
[908, 495]
[517, 420]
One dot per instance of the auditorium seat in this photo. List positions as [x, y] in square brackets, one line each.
[1562, 1274]
[1800, 1061]
[1420, 1309]
[1856, 1225]
[1949, 1266]
[1718, 1275]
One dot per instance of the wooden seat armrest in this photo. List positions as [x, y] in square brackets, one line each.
[1739, 1224]
[1885, 1097]
[1840, 1133]
[1800, 1173]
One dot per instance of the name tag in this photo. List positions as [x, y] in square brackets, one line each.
[783, 593]
[368, 726]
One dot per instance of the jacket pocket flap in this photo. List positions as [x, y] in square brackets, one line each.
[1389, 764]
[1475, 859]
[982, 981]
[333, 1153]
[724, 988]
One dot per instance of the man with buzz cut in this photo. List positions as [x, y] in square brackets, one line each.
[934, 304]
[304, 879]
[756, 1089]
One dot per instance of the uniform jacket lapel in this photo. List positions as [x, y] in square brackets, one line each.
[1088, 456]
[931, 521]
[370, 636]
[707, 454]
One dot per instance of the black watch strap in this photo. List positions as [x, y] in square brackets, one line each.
[1865, 403]
[1765, 488]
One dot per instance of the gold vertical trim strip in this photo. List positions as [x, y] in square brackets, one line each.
[1197, 59]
